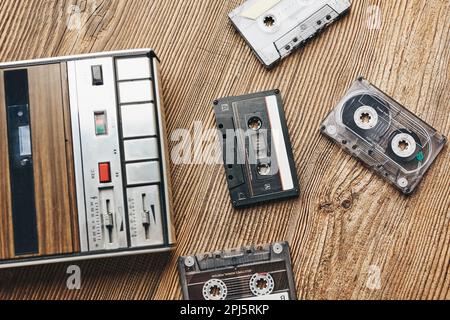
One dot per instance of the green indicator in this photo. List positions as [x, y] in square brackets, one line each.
[100, 123]
[420, 156]
[100, 130]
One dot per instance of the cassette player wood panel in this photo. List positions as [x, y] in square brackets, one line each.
[84, 159]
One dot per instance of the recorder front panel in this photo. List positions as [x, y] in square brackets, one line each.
[84, 159]
[98, 126]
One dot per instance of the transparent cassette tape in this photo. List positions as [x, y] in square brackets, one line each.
[275, 28]
[384, 135]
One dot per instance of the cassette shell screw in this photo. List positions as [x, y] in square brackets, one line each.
[277, 248]
[189, 262]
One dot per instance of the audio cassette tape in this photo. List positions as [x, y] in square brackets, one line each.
[384, 135]
[83, 159]
[250, 273]
[257, 151]
[275, 28]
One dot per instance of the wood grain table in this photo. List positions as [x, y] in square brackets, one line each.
[349, 228]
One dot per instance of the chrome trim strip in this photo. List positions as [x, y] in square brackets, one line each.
[77, 155]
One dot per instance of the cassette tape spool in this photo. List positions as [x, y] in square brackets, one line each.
[384, 135]
[250, 273]
[257, 152]
[275, 28]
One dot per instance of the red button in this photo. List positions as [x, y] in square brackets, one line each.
[104, 172]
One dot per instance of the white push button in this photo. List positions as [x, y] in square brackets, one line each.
[143, 173]
[97, 75]
[141, 149]
[135, 91]
[138, 120]
[133, 68]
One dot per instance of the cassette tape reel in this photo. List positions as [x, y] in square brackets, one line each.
[384, 135]
[275, 28]
[257, 152]
[250, 273]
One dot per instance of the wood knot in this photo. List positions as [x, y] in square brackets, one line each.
[346, 204]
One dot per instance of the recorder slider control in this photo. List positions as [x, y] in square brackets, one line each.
[145, 217]
[104, 170]
[97, 76]
[108, 220]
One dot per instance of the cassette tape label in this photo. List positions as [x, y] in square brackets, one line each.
[259, 8]
[279, 144]
[256, 281]
[384, 135]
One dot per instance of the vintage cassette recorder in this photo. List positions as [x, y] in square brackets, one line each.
[83, 159]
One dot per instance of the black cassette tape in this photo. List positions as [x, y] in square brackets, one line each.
[257, 152]
[251, 273]
[384, 135]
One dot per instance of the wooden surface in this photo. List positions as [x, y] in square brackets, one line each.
[348, 224]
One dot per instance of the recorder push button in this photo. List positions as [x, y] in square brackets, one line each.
[104, 170]
[97, 76]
